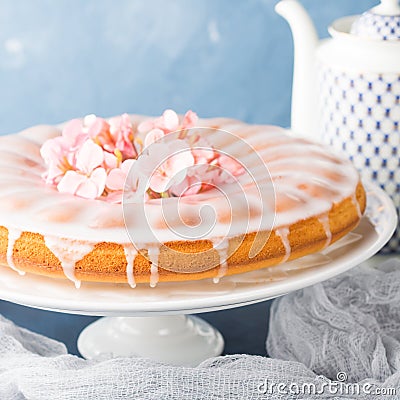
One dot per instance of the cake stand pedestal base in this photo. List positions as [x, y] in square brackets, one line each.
[173, 339]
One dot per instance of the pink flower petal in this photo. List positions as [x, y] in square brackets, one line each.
[230, 164]
[110, 160]
[170, 120]
[72, 131]
[154, 135]
[178, 162]
[99, 177]
[53, 149]
[122, 135]
[126, 124]
[90, 156]
[53, 174]
[146, 126]
[127, 165]
[159, 183]
[116, 179]
[87, 190]
[189, 120]
[189, 186]
[115, 124]
[70, 182]
[98, 127]
[83, 186]
[46, 151]
[203, 156]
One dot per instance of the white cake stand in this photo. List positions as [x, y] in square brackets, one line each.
[152, 322]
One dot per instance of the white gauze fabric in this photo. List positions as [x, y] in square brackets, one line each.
[349, 324]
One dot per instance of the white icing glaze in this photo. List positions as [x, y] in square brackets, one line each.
[293, 163]
[68, 252]
[130, 254]
[283, 234]
[307, 181]
[222, 247]
[13, 236]
[324, 220]
[153, 252]
[356, 205]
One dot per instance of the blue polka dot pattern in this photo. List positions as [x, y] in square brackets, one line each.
[360, 117]
[375, 26]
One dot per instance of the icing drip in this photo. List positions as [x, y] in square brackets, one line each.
[153, 253]
[324, 220]
[68, 252]
[222, 247]
[356, 205]
[308, 181]
[130, 254]
[283, 234]
[13, 236]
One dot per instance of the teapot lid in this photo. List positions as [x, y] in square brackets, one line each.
[379, 23]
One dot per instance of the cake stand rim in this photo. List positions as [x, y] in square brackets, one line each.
[206, 304]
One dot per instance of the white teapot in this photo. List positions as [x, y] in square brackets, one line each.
[346, 89]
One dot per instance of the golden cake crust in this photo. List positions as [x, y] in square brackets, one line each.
[107, 261]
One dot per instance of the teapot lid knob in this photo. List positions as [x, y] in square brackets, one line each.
[379, 23]
[387, 7]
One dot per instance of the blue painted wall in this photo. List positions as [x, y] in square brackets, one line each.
[65, 58]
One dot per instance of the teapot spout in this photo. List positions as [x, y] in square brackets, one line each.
[305, 38]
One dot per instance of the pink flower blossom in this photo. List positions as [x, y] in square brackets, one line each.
[230, 164]
[73, 134]
[168, 122]
[116, 177]
[121, 130]
[198, 178]
[117, 182]
[59, 152]
[208, 172]
[88, 179]
[171, 172]
[190, 185]
[190, 119]
[164, 165]
[55, 153]
[203, 155]
[154, 135]
[98, 129]
[111, 161]
[114, 136]
[92, 159]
